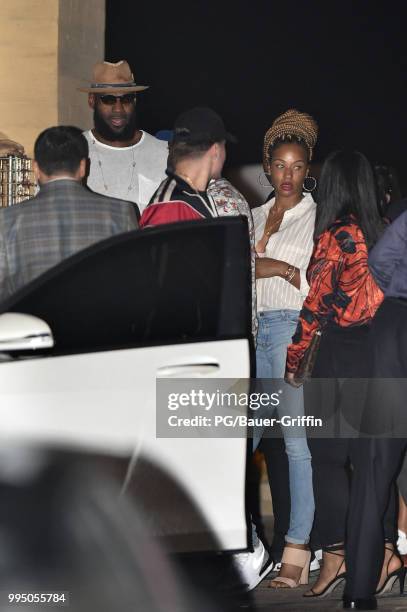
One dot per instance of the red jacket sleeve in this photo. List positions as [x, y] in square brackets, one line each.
[325, 268]
[342, 288]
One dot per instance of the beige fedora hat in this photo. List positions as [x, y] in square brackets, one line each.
[111, 78]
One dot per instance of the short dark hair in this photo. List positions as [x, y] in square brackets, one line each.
[181, 150]
[60, 149]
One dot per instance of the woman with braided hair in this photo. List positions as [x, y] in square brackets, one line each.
[284, 228]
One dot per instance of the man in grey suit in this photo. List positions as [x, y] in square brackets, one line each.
[63, 218]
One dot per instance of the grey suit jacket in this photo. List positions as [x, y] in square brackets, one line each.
[62, 219]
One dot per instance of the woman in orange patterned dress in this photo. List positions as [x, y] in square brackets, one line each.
[342, 301]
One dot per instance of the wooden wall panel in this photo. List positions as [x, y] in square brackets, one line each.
[47, 50]
[28, 68]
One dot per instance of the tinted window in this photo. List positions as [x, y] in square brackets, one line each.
[170, 284]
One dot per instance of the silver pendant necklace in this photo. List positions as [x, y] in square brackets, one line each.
[133, 165]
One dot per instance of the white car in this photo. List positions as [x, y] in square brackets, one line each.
[84, 346]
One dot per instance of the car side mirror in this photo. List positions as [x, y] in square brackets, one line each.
[20, 332]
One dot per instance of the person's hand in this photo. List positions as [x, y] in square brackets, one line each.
[9, 147]
[290, 379]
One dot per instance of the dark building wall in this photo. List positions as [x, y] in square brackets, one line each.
[344, 62]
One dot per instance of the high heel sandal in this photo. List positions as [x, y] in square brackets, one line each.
[336, 580]
[301, 559]
[398, 574]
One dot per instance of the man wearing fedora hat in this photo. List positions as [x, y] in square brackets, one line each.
[125, 162]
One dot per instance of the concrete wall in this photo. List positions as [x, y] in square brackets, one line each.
[47, 49]
[81, 45]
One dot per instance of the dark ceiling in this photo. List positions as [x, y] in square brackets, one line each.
[343, 62]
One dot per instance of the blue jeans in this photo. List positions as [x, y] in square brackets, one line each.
[276, 328]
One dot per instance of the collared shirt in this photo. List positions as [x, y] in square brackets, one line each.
[387, 260]
[60, 177]
[293, 243]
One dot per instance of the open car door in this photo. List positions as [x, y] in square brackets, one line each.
[166, 302]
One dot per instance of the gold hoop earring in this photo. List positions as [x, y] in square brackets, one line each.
[266, 177]
[312, 178]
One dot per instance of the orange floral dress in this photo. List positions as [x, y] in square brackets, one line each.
[342, 289]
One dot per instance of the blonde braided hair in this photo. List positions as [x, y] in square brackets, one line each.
[291, 125]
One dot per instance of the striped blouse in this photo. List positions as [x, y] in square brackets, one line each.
[292, 243]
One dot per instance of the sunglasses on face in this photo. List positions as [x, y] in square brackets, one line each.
[110, 100]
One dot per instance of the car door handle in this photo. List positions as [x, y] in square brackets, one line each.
[188, 370]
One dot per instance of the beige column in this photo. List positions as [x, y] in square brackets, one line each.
[47, 49]
[81, 45]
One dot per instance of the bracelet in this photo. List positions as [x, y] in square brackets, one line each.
[289, 273]
[290, 278]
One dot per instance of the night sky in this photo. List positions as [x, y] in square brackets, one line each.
[343, 62]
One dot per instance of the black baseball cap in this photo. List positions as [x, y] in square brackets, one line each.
[200, 125]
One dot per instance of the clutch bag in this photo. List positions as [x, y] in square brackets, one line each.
[306, 364]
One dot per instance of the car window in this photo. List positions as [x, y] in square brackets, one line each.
[185, 282]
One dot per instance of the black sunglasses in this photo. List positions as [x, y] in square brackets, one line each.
[110, 100]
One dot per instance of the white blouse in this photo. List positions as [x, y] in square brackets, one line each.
[292, 243]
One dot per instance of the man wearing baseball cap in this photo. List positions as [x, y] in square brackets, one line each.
[197, 154]
[125, 162]
[194, 188]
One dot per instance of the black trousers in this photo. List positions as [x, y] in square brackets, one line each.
[376, 466]
[344, 353]
[379, 458]
[338, 466]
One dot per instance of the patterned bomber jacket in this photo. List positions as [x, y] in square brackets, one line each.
[229, 201]
[342, 288]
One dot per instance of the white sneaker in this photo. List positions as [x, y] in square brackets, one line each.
[314, 567]
[252, 567]
[402, 543]
[316, 562]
